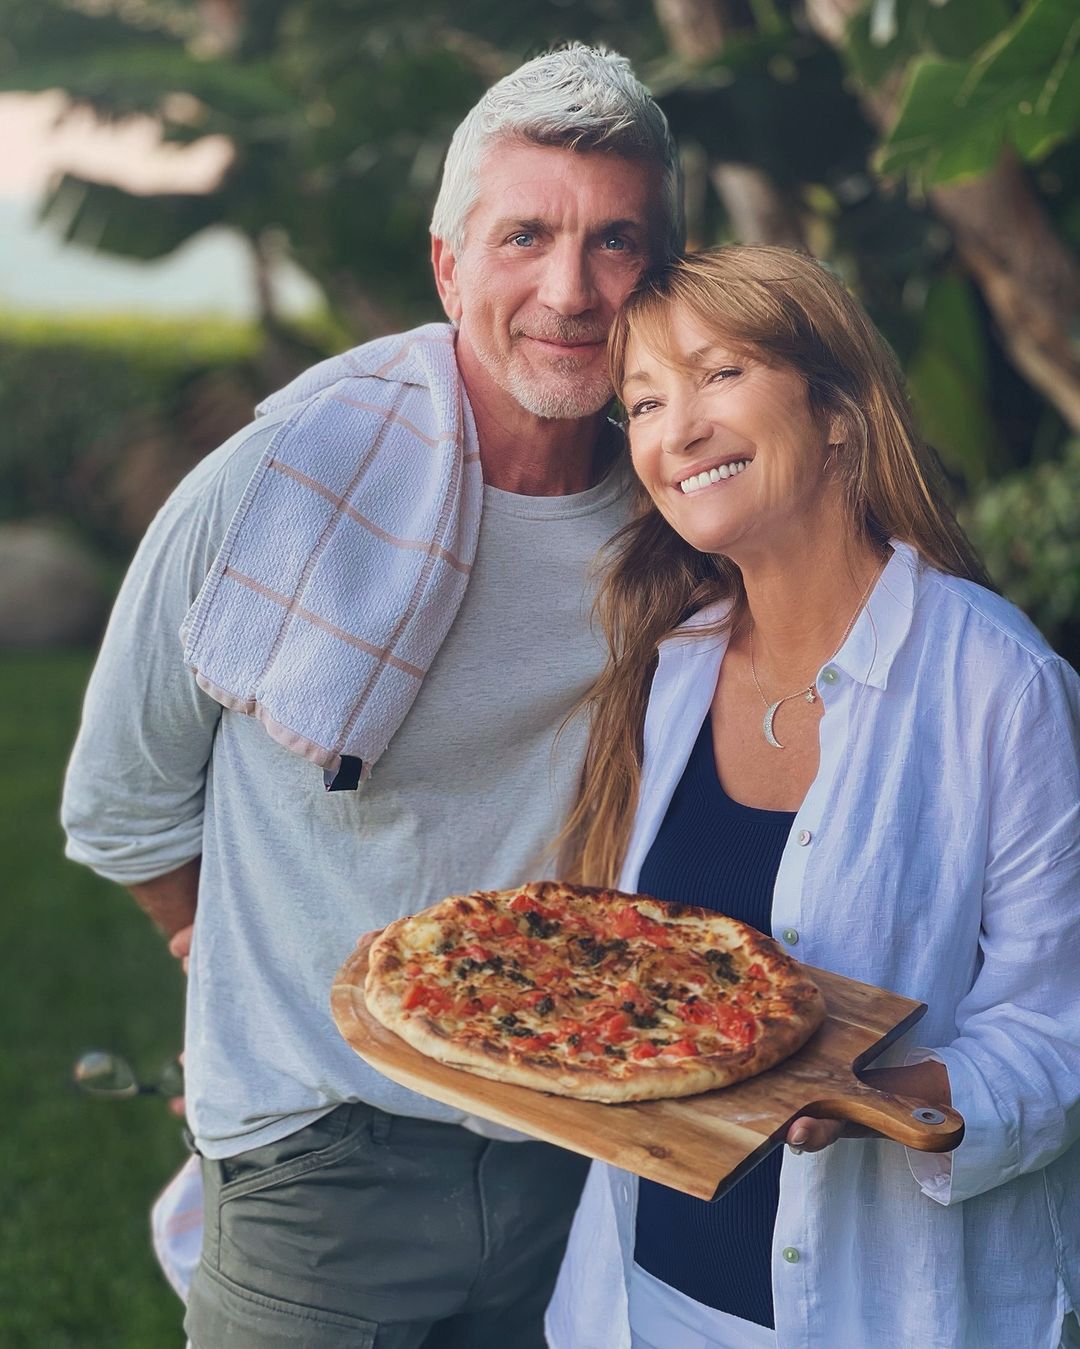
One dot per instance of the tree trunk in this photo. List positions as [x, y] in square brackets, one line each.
[1005, 239]
[759, 212]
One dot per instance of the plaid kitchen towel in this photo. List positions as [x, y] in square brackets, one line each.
[348, 556]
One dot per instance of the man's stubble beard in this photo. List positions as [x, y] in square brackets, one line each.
[556, 396]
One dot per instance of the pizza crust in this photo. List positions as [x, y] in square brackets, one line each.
[789, 1015]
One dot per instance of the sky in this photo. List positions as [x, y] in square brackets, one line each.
[38, 273]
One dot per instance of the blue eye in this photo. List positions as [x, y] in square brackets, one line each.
[523, 240]
[615, 243]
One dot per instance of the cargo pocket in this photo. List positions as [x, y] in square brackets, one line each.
[221, 1312]
[279, 1218]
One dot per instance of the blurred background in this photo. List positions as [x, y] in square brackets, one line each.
[200, 197]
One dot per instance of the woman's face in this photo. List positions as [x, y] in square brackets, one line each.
[726, 446]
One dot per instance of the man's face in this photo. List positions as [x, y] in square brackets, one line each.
[553, 245]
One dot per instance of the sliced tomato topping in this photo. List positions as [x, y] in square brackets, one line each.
[477, 952]
[483, 1002]
[628, 922]
[613, 1028]
[698, 1013]
[735, 1024]
[503, 925]
[534, 996]
[756, 971]
[645, 1050]
[535, 1043]
[682, 1049]
[628, 991]
[526, 904]
[412, 969]
[424, 995]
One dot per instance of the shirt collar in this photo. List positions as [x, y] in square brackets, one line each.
[871, 646]
[883, 625]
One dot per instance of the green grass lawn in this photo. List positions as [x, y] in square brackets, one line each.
[81, 969]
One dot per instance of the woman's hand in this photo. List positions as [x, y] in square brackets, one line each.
[926, 1082]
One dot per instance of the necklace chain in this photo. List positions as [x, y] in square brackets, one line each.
[810, 691]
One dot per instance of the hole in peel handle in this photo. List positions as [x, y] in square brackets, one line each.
[927, 1128]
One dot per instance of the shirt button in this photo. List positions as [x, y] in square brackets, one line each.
[790, 936]
[791, 1255]
[829, 675]
[804, 837]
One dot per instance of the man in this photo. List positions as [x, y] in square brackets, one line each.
[387, 574]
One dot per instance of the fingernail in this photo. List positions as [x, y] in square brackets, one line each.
[795, 1152]
[798, 1138]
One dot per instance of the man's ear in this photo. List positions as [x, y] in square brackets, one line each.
[444, 265]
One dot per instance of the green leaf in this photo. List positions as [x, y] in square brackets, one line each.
[100, 216]
[930, 109]
[954, 31]
[1023, 89]
[124, 82]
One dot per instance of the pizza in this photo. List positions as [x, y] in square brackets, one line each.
[591, 993]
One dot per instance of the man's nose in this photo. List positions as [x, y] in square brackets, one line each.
[567, 285]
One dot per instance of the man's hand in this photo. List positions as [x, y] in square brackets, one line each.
[925, 1082]
[180, 945]
[170, 900]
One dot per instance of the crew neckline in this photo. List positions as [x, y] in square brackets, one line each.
[614, 484]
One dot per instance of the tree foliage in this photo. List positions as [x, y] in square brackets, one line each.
[339, 112]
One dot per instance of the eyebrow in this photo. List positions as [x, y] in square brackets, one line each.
[697, 357]
[538, 226]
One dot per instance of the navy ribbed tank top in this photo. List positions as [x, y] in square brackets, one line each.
[713, 851]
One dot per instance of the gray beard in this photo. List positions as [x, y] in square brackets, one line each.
[574, 400]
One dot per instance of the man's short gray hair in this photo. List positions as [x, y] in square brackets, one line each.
[575, 98]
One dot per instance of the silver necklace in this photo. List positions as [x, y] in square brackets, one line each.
[810, 693]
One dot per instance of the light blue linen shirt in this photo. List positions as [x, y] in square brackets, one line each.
[937, 855]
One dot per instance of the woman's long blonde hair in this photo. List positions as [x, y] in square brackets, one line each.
[783, 307]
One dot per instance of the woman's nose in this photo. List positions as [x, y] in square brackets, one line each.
[684, 427]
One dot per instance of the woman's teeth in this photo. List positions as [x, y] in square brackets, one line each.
[713, 475]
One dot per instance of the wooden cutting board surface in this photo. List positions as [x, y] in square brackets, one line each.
[698, 1144]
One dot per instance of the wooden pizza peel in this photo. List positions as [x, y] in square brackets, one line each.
[698, 1144]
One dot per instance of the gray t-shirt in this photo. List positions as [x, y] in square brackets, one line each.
[472, 788]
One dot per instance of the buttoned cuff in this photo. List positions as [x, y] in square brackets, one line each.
[932, 1170]
[987, 1156]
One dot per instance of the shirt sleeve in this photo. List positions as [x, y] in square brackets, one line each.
[132, 806]
[1014, 1068]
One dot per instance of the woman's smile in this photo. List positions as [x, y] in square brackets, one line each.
[727, 446]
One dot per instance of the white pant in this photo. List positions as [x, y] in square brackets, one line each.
[663, 1318]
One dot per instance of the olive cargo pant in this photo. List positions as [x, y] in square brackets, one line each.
[373, 1231]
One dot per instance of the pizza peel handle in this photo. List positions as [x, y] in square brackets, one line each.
[915, 1124]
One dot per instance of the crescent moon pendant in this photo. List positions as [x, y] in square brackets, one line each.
[766, 726]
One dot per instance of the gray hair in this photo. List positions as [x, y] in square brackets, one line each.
[575, 98]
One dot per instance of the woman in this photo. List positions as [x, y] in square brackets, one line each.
[849, 742]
